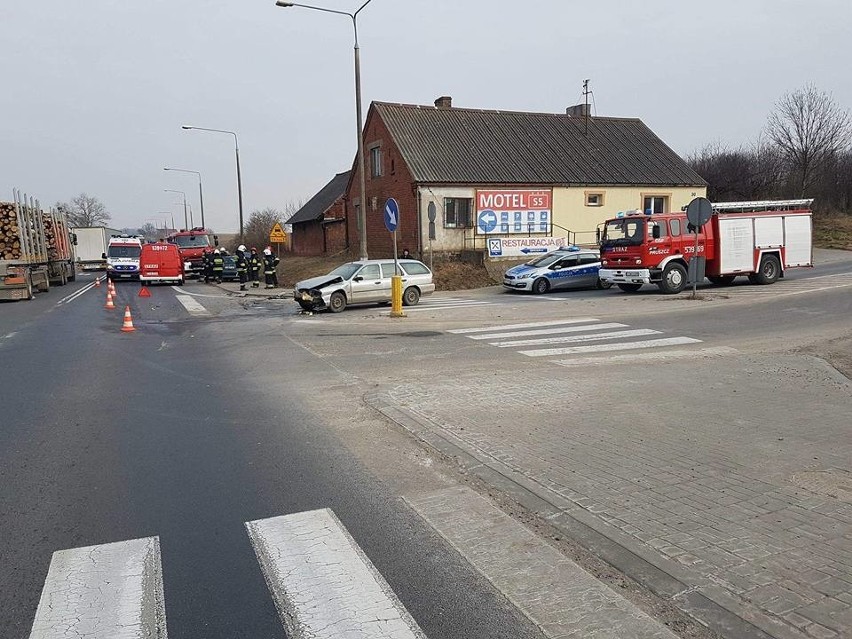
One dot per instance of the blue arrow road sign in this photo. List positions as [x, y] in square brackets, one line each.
[391, 215]
[487, 221]
[534, 250]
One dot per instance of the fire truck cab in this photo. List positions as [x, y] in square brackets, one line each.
[758, 240]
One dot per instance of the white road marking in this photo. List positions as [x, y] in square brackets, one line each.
[183, 291]
[76, 294]
[112, 591]
[323, 584]
[626, 346]
[567, 339]
[192, 307]
[714, 351]
[10, 335]
[549, 331]
[511, 327]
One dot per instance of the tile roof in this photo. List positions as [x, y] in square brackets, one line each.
[472, 146]
[316, 207]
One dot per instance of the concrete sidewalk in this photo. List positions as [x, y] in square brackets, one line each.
[735, 506]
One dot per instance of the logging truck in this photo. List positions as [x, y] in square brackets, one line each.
[35, 248]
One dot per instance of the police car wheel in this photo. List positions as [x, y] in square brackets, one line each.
[337, 302]
[602, 286]
[540, 286]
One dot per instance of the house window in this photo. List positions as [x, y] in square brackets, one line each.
[457, 212]
[654, 204]
[594, 198]
[376, 162]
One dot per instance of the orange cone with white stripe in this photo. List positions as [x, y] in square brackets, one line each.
[97, 282]
[109, 305]
[127, 327]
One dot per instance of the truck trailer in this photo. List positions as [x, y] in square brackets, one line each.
[758, 240]
[35, 248]
[92, 243]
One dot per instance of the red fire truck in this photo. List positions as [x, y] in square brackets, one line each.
[758, 240]
[192, 244]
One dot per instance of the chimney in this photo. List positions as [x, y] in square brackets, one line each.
[444, 102]
[578, 111]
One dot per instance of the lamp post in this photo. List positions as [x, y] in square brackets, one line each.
[200, 189]
[169, 214]
[239, 177]
[362, 208]
[185, 218]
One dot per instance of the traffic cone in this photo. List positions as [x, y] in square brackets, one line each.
[97, 282]
[109, 305]
[127, 327]
[144, 292]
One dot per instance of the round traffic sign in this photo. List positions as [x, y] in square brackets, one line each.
[391, 215]
[432, 212]
[699, 211]
[487, 221]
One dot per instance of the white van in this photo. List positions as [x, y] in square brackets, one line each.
[122, 257]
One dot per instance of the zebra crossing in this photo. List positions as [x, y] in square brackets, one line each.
[444, 304]
[579, 336]
[322, 583]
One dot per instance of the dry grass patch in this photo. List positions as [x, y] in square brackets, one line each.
[833, 231]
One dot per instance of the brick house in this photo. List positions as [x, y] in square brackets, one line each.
[319, 227]
[512, 177]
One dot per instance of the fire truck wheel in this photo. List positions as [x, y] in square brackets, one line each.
[769, 270]
[674, 279]
[722, 280]
[629, 288]
[541, 286]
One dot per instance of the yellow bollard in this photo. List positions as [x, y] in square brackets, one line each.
[396, 296]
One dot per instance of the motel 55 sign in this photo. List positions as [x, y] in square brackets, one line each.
[513, 211]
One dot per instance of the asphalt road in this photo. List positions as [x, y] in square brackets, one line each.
[243, 409]
[110, 436]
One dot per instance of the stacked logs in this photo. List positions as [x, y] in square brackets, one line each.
[10, 243]
[57, 246]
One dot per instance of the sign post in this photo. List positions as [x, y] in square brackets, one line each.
[391, 213]
[698, 213]
[278, 237]
[433, 213]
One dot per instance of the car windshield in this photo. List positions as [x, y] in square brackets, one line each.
[124, 251]
[346, 271]
[624, 231]
[545, 260]
[191, 241]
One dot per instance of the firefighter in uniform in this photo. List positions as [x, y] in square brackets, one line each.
[269, 264]
[242, 266]
[207, 265]
[254, 264]
[218, 266]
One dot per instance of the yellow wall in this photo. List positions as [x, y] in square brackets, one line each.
[570, 210]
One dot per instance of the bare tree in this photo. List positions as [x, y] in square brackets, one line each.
[85, 210]
[150, 231]
[810, 129]
[259, 225]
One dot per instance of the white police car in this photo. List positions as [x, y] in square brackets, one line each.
[567, 267]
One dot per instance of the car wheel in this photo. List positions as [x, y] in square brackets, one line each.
[629, 288]
[337, 302]
[540, 286]
[410, 296]
[602, 286]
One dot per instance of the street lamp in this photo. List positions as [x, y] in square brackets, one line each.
[239, 177]
[200, 190]
[362, 209]
[185, 218]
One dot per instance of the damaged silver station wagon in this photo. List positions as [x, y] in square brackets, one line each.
[363, 282]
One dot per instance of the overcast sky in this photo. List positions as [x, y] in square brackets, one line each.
[95, 91]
